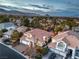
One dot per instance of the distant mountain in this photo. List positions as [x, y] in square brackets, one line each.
[15, 12]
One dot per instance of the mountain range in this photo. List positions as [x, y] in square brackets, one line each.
[16, 11]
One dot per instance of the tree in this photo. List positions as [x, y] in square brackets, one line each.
[1, 33]
[15, 36]
[71, 23]
[25, 22]
[36, 51]
[57, 29]
[20, 34]
[35, 23]
[4, 19]
[38, 57]
[41, 50]
[4, 30]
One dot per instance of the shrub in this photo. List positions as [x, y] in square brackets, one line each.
[4, 30]
[45, 51]
[38, 57]
[1, 33]
[42, 50]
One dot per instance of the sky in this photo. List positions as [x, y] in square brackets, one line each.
[51, 7]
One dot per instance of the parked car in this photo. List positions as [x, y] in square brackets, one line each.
[52, 56]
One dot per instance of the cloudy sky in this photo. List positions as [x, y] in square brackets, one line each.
[51, 7]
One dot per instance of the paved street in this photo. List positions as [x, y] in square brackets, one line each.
[7, 53]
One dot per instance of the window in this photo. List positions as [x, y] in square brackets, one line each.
[61, 46]
[25, 42]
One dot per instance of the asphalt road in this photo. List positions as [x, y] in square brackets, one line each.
[7, 53]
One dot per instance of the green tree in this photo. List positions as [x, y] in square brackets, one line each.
[25, 22]
[41, 50]
[35, 23]
[4, 30]
[57, 29]
[15, 36]
[1, 33]
[71, 23]
[38, 57]
[4, 19]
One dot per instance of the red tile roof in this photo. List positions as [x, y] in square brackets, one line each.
[38, 34]
[69, 37]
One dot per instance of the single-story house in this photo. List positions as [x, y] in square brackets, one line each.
[8, 26]
[35, 36]
[65, 44]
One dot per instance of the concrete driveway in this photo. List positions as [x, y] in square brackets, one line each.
[47, 56]
[49, 53]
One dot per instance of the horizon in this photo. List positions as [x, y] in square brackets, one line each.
[65, 8]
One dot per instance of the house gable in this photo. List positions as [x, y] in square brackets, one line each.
[61, 45]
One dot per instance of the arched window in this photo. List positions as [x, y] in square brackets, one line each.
[61, 46]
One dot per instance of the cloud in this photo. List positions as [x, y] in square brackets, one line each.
[38, 6]
[22, 4]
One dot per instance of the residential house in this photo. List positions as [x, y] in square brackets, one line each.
[18, 22]
[75, 29]
[8, 26]
[65, 44]
[35, 36]
[21, 29]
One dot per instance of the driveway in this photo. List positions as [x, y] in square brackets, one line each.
[50, 52]
[59, 57]
[47, 56]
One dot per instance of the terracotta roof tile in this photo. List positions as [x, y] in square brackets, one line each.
[38, 34]
[69, 37]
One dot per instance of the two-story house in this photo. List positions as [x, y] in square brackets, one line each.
[65, 44]
[37, 36]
